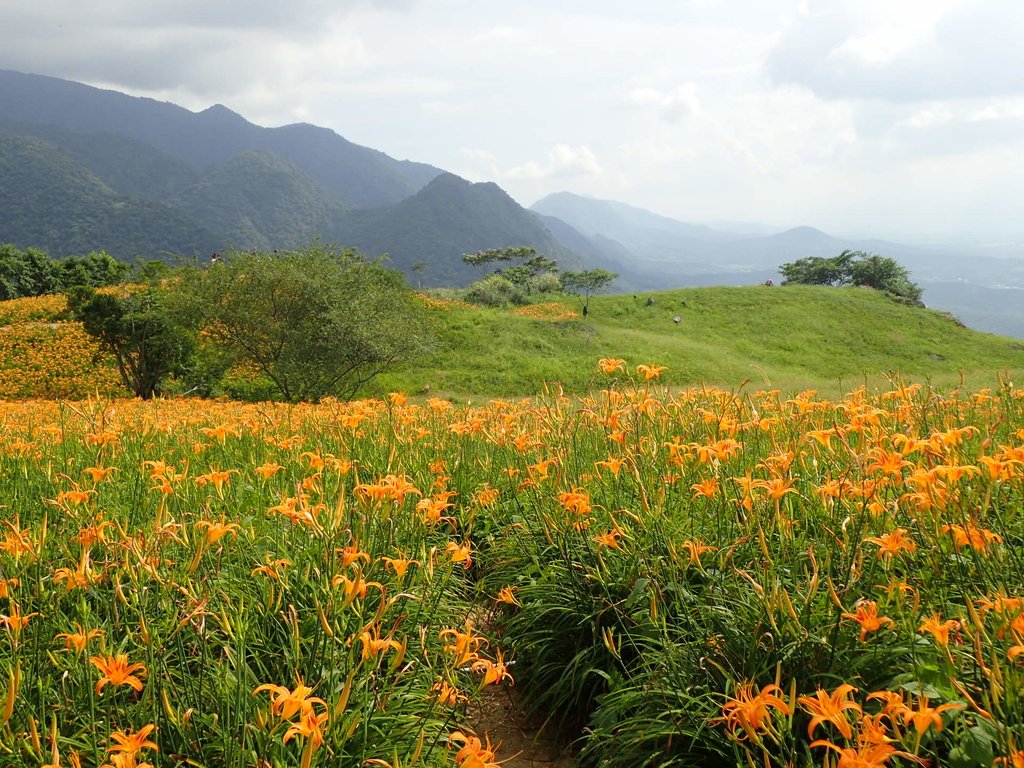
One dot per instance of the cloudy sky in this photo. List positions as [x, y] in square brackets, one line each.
[868, 117]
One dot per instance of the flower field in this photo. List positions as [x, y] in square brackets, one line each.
[44, 355]
[696, 577]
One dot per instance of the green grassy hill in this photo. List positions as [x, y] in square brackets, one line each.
[790, 338]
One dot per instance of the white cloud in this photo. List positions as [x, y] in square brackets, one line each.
[826, 112]
[562, 161]
[909, 51]
[672, 105]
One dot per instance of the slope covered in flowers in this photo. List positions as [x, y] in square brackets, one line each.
[694, 577]
[42, 354]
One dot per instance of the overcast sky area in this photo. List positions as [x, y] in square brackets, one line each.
[862, 117]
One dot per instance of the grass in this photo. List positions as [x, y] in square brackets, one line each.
[789, 338]
[792, 339]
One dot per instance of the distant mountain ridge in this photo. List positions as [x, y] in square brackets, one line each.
[359, 176]
[658, 252]
[449, 214]
[98, 169]
[85, 169]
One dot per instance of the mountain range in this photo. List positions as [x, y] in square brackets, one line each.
[88, 169]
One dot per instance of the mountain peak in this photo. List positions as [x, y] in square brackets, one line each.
[220, 112]
[805, 234]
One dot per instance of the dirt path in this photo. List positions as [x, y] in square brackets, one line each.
[520, 744]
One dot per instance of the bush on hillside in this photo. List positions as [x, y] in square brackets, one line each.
[495, 291]
[316, 322]
[32, 273]
[147, 342]
[854, 268]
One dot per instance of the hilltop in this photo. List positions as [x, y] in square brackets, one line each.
[792, 338]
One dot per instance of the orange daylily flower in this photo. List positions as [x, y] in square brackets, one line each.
[433, 507]
[866, 755]
[447, 694]
[978, 539]
[117, 671]
[609, 539]
[130, 744]
[777, 488]
[373, 644]
[74, 497]
[220, 432]
[651, 371]
[98, 473]
[16, 621]
[926, 716]
[887, 462]
[866, 614]
[459, 553]
[830, 708]
[267, 470]
[576, 501]
[310, 725]
[399, 565]
[465, 644]
[286, 703]
[612, 464]
[81, 577]
[752, 713]
[892, 543]
[216, 531]
[486, 496]
[708, 488]
[217, 478]
[507, 595]
[352, 554]
[939, 629]
[355, 587]
[494, 671]
[696, 549]
[272, 568]
[474, 753]
[78, 640]
[7, 587]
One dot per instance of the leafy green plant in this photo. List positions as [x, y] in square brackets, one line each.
[143, 336]
[316, 322]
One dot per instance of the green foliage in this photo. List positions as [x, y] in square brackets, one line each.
[260, 200]
[797, 338]
[146, 341]
[53, 202]
[535, 273]
[585, 284]
[495, 291]
[32, 273]
[816, 270]
[854, 268]
[26, 273]
[532, 264]
[316, 322]
[883, 274]
[94, 271]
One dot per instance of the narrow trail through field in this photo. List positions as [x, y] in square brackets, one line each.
[519, 742]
